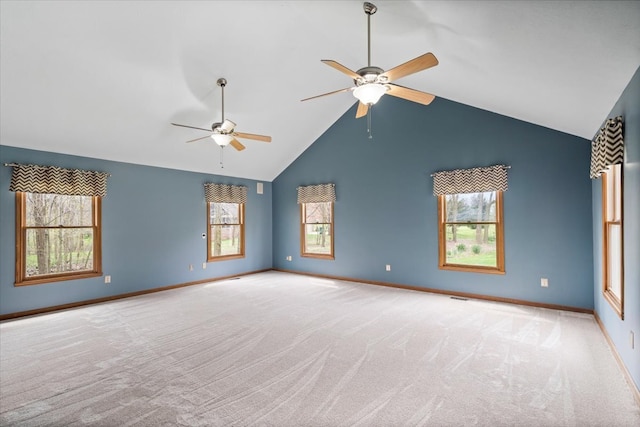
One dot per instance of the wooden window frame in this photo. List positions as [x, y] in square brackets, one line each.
[21, 249]
[210, 256]
[303, 223]
[442, 240]
[617, 303]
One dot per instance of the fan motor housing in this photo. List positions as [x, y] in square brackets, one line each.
[370, 75]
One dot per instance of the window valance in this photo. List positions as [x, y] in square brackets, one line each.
[55, 180]
[607, 148]
[317, 193]
[224, 193]
[474, 180]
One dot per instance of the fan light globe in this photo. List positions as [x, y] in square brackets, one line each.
[221, 139]
[369, 93]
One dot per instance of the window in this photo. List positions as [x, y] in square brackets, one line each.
[226, 230]
[613, 281]
[470, 232]
[57, 237]
[316, 230]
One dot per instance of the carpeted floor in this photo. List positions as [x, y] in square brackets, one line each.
[277, 349]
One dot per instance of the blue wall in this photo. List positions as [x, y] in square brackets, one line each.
[628, 106]
[386, 214]
[152, 222]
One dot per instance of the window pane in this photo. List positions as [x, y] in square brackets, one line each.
[610, 194]
[471, 244]
[225, 240]
[617, 203]
[317, 238]
[469, 207]
[46, 210]
[317, 212]
[224, 213]
[59, 250]
[614, 257]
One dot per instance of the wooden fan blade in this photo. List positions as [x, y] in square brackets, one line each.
[410, 94]
[198, 139]
[237, 145]
[191, 127]
[420, 63]
[262, 138]
[341, 68]
[328, 93]
[362, 111]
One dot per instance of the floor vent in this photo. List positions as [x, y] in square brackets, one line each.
[459, 298]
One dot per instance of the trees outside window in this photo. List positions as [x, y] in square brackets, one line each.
[316, 231]
[226, 231]
[57, 236]
[470, 232]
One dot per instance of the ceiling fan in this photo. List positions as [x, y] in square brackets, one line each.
[372, 82]
[223, 133]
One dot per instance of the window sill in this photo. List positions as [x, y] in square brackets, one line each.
[471, 269]
[614, 302]
[57, 278]
[225, 258]
[318, 256]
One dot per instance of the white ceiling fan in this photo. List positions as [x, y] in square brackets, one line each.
[223, 132]
[372, 82]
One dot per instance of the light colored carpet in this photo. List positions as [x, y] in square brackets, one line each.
[277, 349]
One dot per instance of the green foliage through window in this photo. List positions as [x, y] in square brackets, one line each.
[469, 230]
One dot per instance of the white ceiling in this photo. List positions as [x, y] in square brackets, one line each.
[105, 79]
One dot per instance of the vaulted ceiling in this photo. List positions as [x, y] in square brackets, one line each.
[105, 79]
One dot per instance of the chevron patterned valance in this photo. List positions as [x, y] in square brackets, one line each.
[607, 148]
[55, 180]
[475, 180]
[317, 193]
[223, 193]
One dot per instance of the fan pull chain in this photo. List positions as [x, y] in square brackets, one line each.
[369, 122]
[221, 157]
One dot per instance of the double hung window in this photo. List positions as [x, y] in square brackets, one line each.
[58, 237]
[58, 223]
[613, 288]
[607, 159]
[316, 220]
[470, 219]
[226, 231]
[317, 229]
[225, 221]
[471, 232]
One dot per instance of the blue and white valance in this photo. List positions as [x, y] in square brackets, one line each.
[607, 148]
[474, 180]
[317, 193]
[55, 180]
[224, 193]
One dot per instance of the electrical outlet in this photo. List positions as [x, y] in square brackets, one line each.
[288, 257]
[190, 267]
[388, 267]
[544, 282]
[107, 279]
[204, 265]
